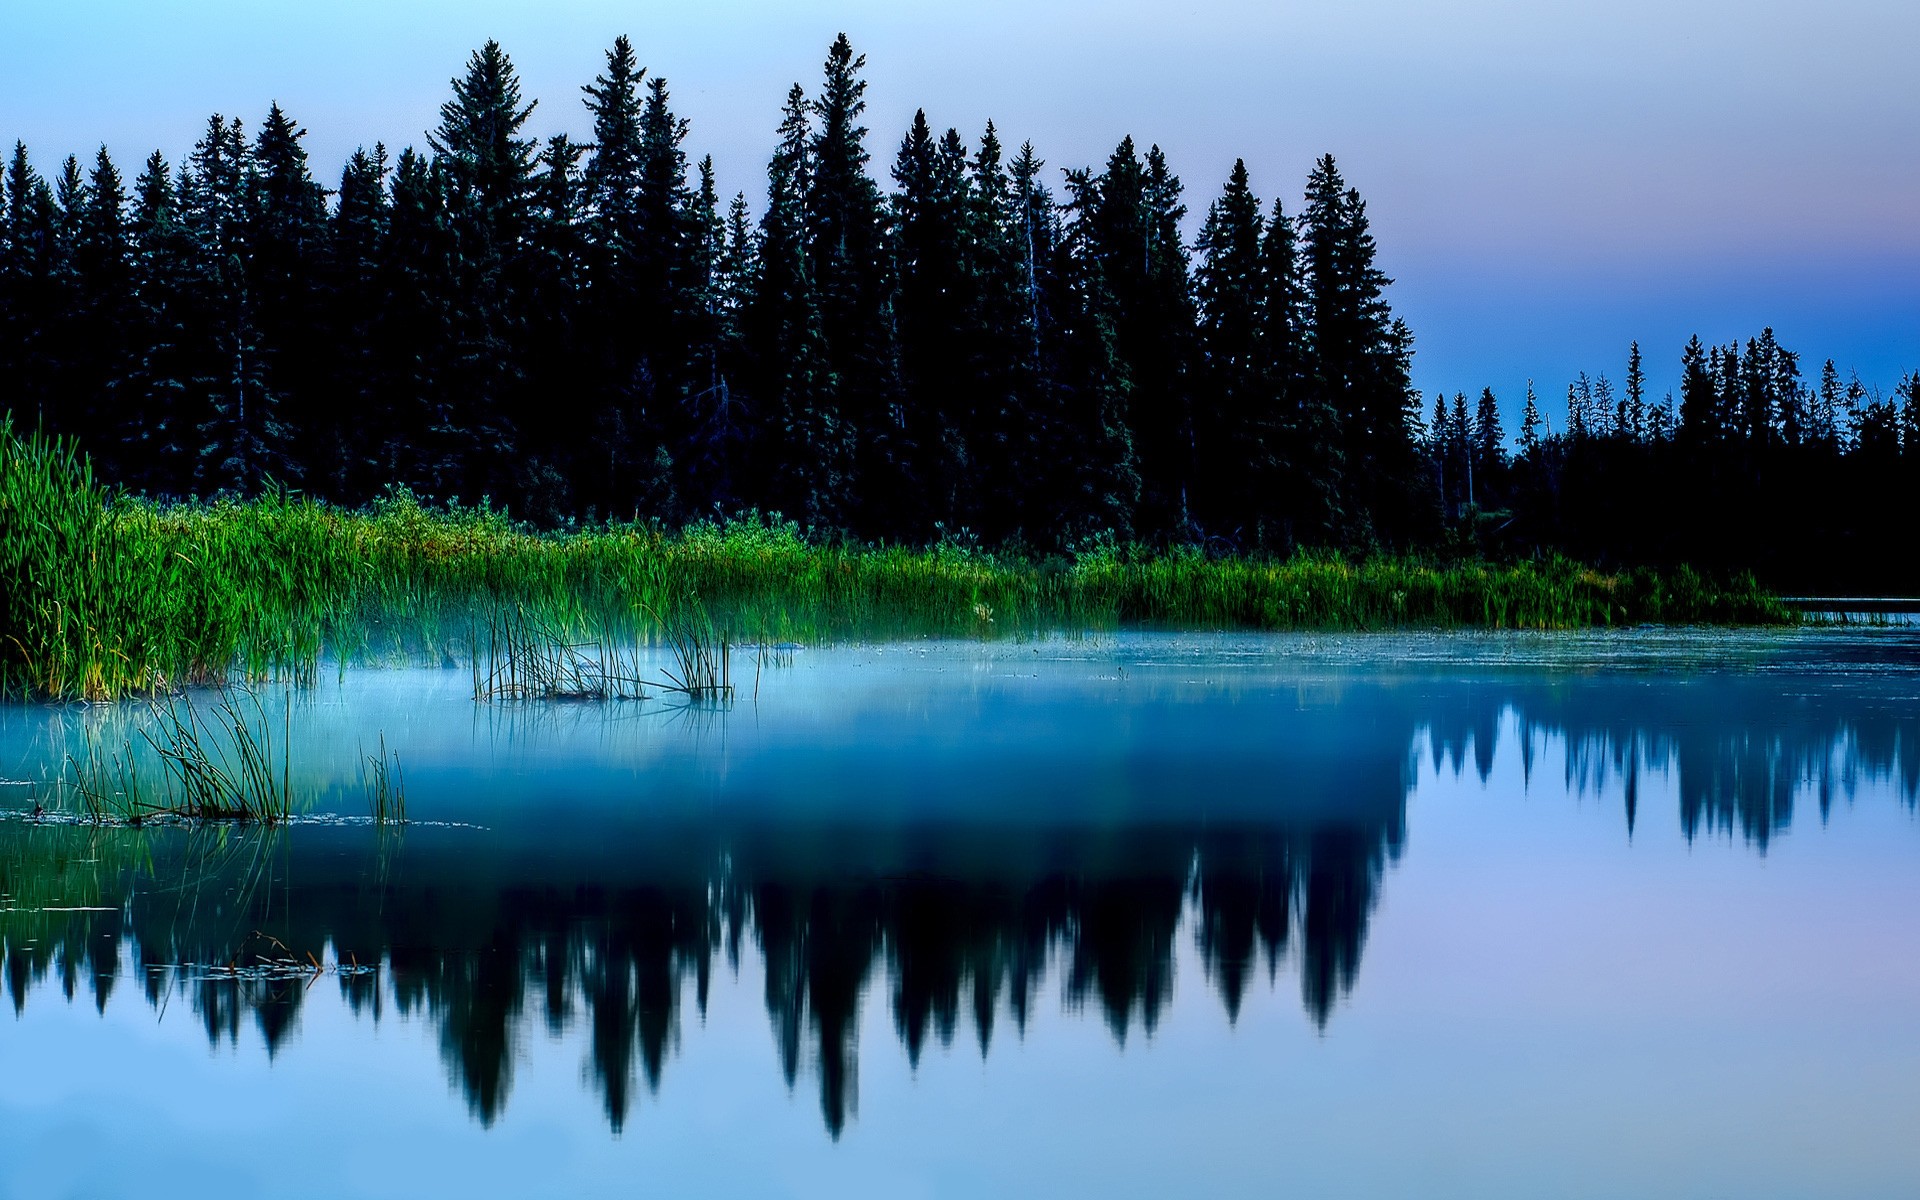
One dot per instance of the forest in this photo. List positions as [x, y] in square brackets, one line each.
[981, 349]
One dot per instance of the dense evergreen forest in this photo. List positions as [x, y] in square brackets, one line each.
[588, 331]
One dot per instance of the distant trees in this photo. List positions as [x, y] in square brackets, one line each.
[1752, 468]
[588, 330]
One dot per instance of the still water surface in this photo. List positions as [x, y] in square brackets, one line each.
[1147, 915]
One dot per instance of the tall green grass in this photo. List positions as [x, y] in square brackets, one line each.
[107, 596]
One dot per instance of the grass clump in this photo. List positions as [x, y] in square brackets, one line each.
[522, 656]
[103, 596]
[386, 789]
[215, 764]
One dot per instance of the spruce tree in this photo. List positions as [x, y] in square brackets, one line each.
[1098, 486]
[1699, 407]
[1530, 425]
[1633, 420]
[490, 166]
[804, 448]
[1238, 429]
[357, 246]
[484, 171]
[154, 441]
[242, 436]
[286, 245]
[843, 224]
[1361, 359]
[109, 328]
[1489, 448]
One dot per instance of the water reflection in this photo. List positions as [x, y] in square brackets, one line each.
[956, 923]
[482, 954]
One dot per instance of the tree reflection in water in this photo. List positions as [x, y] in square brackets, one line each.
[960, 925]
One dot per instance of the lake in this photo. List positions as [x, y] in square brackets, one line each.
[1144, 914]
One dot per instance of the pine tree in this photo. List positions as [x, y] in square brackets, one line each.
[28, 292]
[1136, 245]
[1238, 432]
[431, 439]
[154, 442]
[711, 456]
[613, 169]
[1361, 358]
[484, 171]
[1530, 426]
[243, 439]
[998, 351]
[107, 317]
[1460, 448]
[1098, 476]
[805, 448]
[286, 243]
[1489, 442]
[357, 245]
[843, 222]
[934, 306]
[1633, 416]
[490, 166]
[1827, 421]
[1699, 406]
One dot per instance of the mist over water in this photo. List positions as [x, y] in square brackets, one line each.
[1460, 914]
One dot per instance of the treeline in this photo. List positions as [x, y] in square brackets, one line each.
[1754, 466]
[587, 329]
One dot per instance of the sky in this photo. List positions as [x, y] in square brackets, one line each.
[1548, 180]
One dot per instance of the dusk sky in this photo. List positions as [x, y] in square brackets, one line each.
[1547, 180]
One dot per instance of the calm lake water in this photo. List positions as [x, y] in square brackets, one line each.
[1147, 915]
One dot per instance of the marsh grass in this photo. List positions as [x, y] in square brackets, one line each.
[384, 784]
[103, 596]
[222, 762]
[523, 656]
[702, 654]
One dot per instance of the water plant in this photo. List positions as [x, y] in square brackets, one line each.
[104, 596]
[702, 655]
[525, 656]
[220, 762]
[381, 778]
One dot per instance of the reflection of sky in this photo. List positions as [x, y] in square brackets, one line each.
[1546, 1009]
[1549, 180]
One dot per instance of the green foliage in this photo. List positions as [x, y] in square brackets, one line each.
[111, 597]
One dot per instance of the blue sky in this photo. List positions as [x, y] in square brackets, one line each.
[1547, 180]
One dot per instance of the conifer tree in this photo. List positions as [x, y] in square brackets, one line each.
[105, 315]
[484, 170]
[805, 447]
[286, 243]
[1699, 407]
[28, 291]
[843, 223]
[1633, 418]
[490, 166]
[932, 309]
[1489, 441]
[1238, 430]
[351, 295]
[1097, 479]
[154, 440]
[1530, 425]
[1361, 357]
[1136, 245]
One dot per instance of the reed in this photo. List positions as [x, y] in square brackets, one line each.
[702, 656]
[220, 763]
[384, 784]
[521, 656]
[105, 596]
